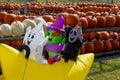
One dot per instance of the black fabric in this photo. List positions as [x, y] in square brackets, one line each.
[71, 50]
[45, 54]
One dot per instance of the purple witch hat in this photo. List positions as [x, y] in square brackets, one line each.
[57, 26]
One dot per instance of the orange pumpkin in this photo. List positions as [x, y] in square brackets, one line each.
[19, 43]
[70, 10]
[8, 43]
[92, 21]
[108, 45]
[113, 35]
[83, 22]
[72, 20]
[115, 44]
[110, 21]
[89, 47]
[117, 20]
[103, 35]
[101, 21]
[82, 49]
[9, 18]
[114, 9]
[98, 45]
[2, 14]
[14, 43]
[48, 18]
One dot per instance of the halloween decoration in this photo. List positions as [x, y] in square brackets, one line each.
[13, 63]
[56, 40]
[35, 39]
[74, 40]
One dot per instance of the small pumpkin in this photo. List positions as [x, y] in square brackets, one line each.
[5, 30]
[17, 28]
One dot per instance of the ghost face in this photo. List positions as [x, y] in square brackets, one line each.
[30, 37]
[54, 37]
[73, 36]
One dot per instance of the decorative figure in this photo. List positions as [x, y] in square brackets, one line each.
[74, 40]
[36, 40]
[56, 40]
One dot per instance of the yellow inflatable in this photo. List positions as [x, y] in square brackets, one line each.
[16, 67]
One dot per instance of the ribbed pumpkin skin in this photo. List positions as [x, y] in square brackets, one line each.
[98, 45]
[110, 21]
[9, 18]
[115, 44]
[83, 22]
[17, 28]
[48, 18]
[89, 47]
[2, 14]
[72, 20]
[101, 21]
[5, 30]
[92, 21]
[117, 20]
[108, 45]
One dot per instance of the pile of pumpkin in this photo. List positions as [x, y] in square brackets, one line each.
[16, 28]
[96, 42]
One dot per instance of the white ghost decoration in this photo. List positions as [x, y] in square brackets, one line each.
[36, 40]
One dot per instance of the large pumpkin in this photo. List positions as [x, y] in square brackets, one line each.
[101, 21]
[89, 47]
[5, 30]
[115, 44]
[98, 45]
[110, 21]
[28, 22]
[17, 28]
[9, 18]
[117, 20]
[2, 14]
[107, 45]
[72, 20]
[48, 18]
[92, 21]
[103, 35]
[83, 22]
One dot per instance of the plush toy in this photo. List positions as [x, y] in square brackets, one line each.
[36, 40]
[56, 40]
[74, 40]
